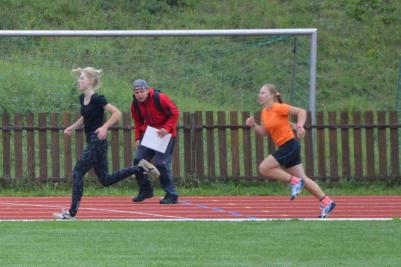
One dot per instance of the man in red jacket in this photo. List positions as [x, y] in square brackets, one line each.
[150, 107]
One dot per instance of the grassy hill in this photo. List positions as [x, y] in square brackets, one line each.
[359, 44]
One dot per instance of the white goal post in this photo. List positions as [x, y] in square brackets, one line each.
[312, 33]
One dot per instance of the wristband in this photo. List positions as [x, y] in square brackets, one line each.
[300, 126]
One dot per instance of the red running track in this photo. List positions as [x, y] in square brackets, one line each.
[202, 208]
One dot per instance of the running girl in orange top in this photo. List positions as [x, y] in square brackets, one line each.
[284, 164]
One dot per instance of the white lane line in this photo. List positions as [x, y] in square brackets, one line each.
[207, 220]
[97, 209]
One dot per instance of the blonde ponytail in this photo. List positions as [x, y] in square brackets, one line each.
[92, 74]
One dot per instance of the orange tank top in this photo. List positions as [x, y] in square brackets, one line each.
[275, 121]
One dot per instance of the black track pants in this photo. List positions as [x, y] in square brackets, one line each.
[95, 156]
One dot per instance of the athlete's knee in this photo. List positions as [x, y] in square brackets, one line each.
[265, 169]
[268, 165]
[104, 181]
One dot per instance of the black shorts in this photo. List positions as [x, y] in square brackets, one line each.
[288, 154]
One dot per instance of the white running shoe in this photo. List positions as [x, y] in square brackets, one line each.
[327, 209]
[149, 168]
[63, 215]
[297, 188]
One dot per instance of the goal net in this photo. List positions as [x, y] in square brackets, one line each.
[199, 72]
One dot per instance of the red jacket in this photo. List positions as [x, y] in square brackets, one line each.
[153, 117]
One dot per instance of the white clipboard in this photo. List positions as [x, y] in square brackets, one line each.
[153, 141]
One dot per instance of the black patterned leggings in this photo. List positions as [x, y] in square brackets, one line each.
[95, 156]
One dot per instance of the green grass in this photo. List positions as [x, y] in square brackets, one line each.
[203, 189]
[358, 46]
[278, 243]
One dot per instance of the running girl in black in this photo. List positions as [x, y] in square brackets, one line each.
[93, 107]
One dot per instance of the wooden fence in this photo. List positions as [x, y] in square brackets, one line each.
[210, 145]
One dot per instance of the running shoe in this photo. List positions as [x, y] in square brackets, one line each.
[149, 169]
[143, 194]
[169, 199]
[297, 188]
[63, 215]
[327, 209]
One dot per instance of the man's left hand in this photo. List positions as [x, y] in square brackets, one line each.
[162, 132]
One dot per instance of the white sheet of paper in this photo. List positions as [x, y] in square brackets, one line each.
[153, 141]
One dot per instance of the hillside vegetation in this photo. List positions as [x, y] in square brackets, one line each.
[359, 46]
